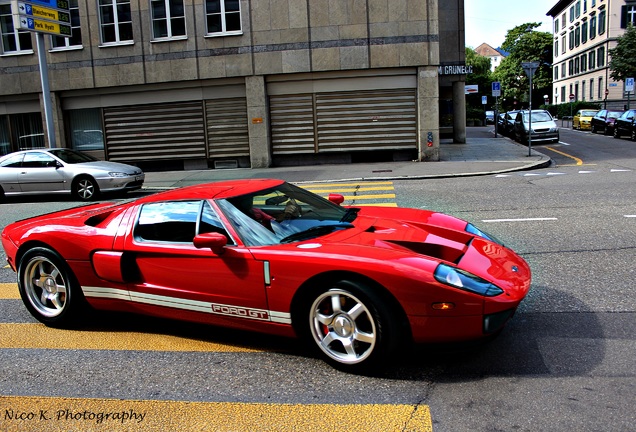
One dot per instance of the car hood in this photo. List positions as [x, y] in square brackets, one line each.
[422, 245]
[107, 166]
[542, 124]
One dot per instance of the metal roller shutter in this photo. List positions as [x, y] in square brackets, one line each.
[155, 132]
[292, 124]
[227, 128]
[373, 120]
[344, 121]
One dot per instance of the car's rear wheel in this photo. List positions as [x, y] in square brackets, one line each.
[48, 288]
[85, 188]
[352, 327]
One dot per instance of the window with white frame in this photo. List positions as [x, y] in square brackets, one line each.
[601, 21]
[592, 89]
[563, 44]
[584, 32]
[14, 41]
[115, 21]
[76, 31]
[592, 59]
[628, 15]
[168, 19]
[600, 57]
[593, 27]
[223, 17]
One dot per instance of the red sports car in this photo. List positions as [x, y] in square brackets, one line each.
[268, 256]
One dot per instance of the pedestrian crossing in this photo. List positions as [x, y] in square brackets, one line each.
[380, 193]
[46, 412]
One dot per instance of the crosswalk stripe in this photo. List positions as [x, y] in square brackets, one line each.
[358, 194]
[88, 414]
[9, 291]
[39, 336]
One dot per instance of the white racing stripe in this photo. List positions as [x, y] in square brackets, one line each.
[186, 304]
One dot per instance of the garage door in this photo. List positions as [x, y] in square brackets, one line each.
[344, 121]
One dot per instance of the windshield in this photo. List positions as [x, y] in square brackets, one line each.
[588, 113]
[71, 156]
[284, 214]
[537, 116]
[614, 114]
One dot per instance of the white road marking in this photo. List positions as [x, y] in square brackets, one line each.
[520, 220]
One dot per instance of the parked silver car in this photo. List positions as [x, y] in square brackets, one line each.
[544, 128]
[63, 170]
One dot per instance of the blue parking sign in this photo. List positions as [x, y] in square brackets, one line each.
[496, 89]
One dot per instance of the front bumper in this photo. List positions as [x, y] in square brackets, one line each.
[113, 184]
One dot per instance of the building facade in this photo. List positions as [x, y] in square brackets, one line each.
[240, 83]
[496, 55]
[584, 32]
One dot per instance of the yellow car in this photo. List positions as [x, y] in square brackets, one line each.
[583, 119]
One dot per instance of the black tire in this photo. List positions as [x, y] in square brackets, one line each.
[85, 188]
[49, 289]
[633, 136]
[594, 129]
[616, 133]
[358, 336]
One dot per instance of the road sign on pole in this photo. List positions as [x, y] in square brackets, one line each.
[629, 84]
[496, 89]
[484, 100]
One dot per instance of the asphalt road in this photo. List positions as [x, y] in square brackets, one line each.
[565, 362]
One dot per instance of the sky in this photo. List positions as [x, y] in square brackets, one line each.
[489, 20]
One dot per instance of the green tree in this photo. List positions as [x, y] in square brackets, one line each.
[482, 77]
[623, 57]
[525, 45]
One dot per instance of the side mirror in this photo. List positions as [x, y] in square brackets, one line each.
[336, 198]
[212, 240]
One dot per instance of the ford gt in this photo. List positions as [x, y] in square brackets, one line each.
[356, 283]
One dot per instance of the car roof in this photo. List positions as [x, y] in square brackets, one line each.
[217, 190]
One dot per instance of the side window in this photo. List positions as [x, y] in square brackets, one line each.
[173, 221]
[13, 162]
[38, 160]
[210, 222]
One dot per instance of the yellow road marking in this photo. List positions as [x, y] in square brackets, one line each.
[63, 414]
[578, 161]
[337, 185]
[376, 196]
[341, 190]
[9, 291]
[34, 336]
[389, 204]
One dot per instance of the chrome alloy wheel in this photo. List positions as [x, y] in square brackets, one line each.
[85, 189]
[45, 287]
[343, 327]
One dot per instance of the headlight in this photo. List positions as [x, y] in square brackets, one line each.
[118, 174]
[472, 229]
[466, 281]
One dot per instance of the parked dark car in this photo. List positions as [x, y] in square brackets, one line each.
[509, 123]
[490, 117]
[604, 120]
[624, 125]
[544, 128]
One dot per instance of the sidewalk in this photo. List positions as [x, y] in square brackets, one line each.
[482, 154]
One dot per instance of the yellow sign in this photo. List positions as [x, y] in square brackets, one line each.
[44, 26]
[44, 13]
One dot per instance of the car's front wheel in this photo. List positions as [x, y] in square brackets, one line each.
[352, 327]
[594, 129]
[616, 133]
[48, 288]
[85, 188]
[633, 135]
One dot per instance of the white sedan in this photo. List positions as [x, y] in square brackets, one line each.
[62, 170]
